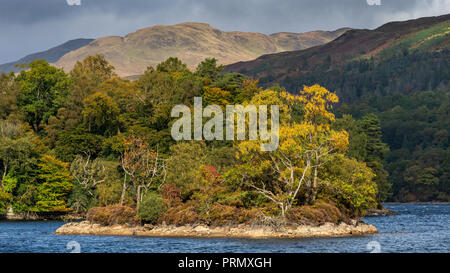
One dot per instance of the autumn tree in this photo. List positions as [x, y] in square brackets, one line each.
[217, 96]
[321, 139]
[304, 148]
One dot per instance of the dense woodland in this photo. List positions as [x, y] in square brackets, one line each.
[416, 128]
[401, 73]
[409, 93]
[91, 143]
[414, 121]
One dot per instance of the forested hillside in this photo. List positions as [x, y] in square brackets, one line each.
[399, 57]
[416, 127]
[400, 72]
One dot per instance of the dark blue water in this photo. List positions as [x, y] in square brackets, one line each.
[417, 228]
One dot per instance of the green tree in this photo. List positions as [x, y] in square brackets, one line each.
[209, 69]
[9, 91]
[43, 89]
[56, 183]
[357, 138]
[101, 114]
[375, 151]
[349, 182]
[151, 208]
[87, 75]
[109, 191]
[164, 88]
[5, 200]
[87, 175]
[184, 176]
[77, 141]
[366, 145]
[170, 65]
[20, 150]
[7, 187]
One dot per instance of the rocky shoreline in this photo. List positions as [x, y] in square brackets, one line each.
[240, 231]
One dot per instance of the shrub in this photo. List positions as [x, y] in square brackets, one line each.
[111, 215]
[189, 213]
[185, 213]
[320, 213]
[171, 195]
[350, 183]
[110, 191]
[223, 215]
[151, 208]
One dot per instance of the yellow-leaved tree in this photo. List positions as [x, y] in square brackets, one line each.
[307, 142]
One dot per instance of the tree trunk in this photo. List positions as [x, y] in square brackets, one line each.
[138, 196]
[314, 189]
[124, 188]
[308, 192]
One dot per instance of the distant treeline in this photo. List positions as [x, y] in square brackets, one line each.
[416, 127]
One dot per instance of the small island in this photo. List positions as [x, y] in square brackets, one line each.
[202, 231]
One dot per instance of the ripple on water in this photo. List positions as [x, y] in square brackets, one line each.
[417, 228]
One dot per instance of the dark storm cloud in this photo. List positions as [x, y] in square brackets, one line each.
[30, 25]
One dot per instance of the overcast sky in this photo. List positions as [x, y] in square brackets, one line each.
[28, 26]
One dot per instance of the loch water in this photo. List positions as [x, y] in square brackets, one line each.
[423, 228]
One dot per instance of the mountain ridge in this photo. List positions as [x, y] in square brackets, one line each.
[51, 55]
[192, 42]
[354, 45]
